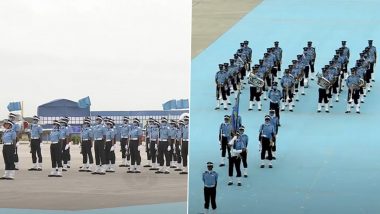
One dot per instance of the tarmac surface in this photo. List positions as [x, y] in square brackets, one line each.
[82, 190]
[211, 18]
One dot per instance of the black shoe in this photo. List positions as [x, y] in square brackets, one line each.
[229, 104]
[270, 166]
[222, 164]
[137, 171]
[122, 165]
[101, 173]
[68, 166]
[327, 111]
[95, 173]
[262, 166]
[291, 110]
[166, 172]
[358, 112]
[39, 169]
[372, 81]
[130, 171]
[183, 173]
[32, 169]
[217, 108]
[153, 169]
[16, 168]
[279, 125]
[282, 109]
[82, 170]
[319, 111]
[173, 167]
[226, 109]
[245, 176]
[273, 158]
[159, 172]
[178, 170]
[249, 109]
[297, 100]
[259, 109]
[347, 112]
[239, 184]
[147, 165]
[64, 170]
[230, 183]
[110, 171]
[331, 106]
[361, 101]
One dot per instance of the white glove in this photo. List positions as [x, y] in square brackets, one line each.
[232, 141]
[126, 147]
[180, 147]
[139, 148]
[67, 146]
[259, 147]
[17, 144]
[41, 144]
[143, 143]
[155, 146]
[112, 148]
[148, 145]
[71, 143]
[169, 148]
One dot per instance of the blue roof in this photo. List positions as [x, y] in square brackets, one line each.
[62, 107]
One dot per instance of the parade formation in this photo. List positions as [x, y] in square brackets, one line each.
[166, 145]
[264, 80]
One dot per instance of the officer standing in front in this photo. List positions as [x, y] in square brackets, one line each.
[35, 144]
[266, 135]
[9, 142]
[55, 150]
[163, 147]
[99, 131]
[237, 147]
[244, 153]
[210, 181]
[135, 140]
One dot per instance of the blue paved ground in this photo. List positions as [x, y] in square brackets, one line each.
[172, 208]
[328, 163]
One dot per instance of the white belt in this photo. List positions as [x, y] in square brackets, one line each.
[210, 186]
[99, 138]
[153, 139]
[223, 135]
[54, 142]
[108, 140]
[84, 139]
[185, 139]
[8, 144]
[163, 139]
[125, 137]
[133, 138]
[35, 138]
[62, 138]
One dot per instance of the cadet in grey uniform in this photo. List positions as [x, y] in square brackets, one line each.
[55, 150]
[109, 149]
[154, 137]
[172, 142]
[148, 128]
[124, 136]
[35, 144]
[184, 145]
[163, 147]
[64, 141]
[178, 145]
[16, 127]
[135, 140]
[99, 132]
[210, 182]
[9, 142]
[278, 52]
[86, 145]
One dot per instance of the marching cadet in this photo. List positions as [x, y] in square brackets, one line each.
[225, 133]
[352, 83]
[163, 147]
[287, 83]
[275, 97]
[306, 56]
[237, 147]
[255, 91]
[346, 53]
[278, 52]
[124, 135]
[178, 145]
[323, 92]
[220, 80]
[154, 137]
[361, 72]
[99, 131]
[147, 128]
[232, 73]
[244, 153]
[210, 181]
[86, 137]
[275, 123]
[266, 136]
[372, 56]
[135, 140]
[184, 145]
[109, 149]
[56, 150]
[263, 71]
[367, 76]
[16, 127]
[273, 58]
[332, 69]
[248, 51]
[172, 142]
[9, 146]
[35, 144]
[311, 52]
[64, 141]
